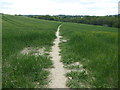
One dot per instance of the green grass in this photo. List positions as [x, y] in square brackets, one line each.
[96, 48]
[24, 71]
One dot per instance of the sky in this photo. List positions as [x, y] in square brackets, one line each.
[57, 7]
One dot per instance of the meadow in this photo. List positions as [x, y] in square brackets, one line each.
[89, 52]
[95, 48]
[19, 32]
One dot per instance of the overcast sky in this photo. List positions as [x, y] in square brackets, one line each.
[56, 7]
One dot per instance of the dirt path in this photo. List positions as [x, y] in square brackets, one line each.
[58, 79]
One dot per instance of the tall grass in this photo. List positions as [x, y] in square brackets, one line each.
[96, 48]
[19, 32]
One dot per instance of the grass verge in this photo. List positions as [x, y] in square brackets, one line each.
[95, 47]
[19, 32]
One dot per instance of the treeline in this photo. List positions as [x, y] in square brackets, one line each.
[110, 21]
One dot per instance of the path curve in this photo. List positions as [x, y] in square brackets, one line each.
[58, 79]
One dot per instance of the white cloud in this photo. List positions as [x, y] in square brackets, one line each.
[53, 7]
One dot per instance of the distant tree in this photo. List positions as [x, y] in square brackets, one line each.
[109, 20]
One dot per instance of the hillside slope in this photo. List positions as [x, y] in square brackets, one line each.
[22, 35]
[91, 55]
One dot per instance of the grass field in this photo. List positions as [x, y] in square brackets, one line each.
[20, 32]
[90, 53]
[94, 47]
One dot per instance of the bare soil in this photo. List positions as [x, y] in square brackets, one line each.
[58, 79]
